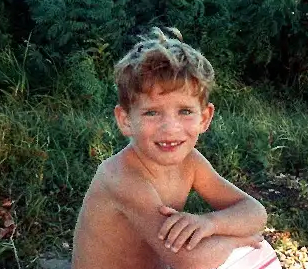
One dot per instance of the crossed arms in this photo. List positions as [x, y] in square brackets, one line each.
[212, 237]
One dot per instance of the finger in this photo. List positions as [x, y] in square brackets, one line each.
[195, 239]
[175, 231]
[183, 237]
[254, 240]
[257, 243]
[167, 211]
[167, 225]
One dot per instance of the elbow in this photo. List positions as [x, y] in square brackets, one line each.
[258, 215]
[262, 216]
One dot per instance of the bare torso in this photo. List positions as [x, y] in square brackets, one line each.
[117, 245]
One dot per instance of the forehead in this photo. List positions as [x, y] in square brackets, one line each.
[158, 96]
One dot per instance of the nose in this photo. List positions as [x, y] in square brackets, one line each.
[170, 124]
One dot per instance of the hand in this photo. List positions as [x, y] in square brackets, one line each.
[181, 227]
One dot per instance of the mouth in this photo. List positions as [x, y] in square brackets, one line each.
[169, 145]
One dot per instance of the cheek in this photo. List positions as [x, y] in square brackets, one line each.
[193, 125]
[143, 128]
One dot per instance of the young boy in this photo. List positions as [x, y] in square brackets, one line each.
[132, 215]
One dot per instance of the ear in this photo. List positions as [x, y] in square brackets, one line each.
[207, 115]
[123, 120]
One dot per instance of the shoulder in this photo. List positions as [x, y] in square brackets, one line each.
[122, 180]
[196, 160]
[100, 193]
[113, 173]
[204, 172]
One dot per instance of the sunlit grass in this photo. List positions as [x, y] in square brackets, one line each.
[50, 147]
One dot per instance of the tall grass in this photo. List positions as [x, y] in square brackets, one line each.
[48, 156]
[262, 145]
[50, 146]
[49, 149]
[255, 135]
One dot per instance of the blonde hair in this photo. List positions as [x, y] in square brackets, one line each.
[166, 61]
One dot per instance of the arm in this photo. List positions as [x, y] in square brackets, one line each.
[140, 203]
[237, 214]
[87, 243]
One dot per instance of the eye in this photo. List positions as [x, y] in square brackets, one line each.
[185, 111]
[150, 113]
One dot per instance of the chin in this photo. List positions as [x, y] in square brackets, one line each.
[169, 161]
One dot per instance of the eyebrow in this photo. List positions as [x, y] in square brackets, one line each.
[149, 108]
[185, 106]
[181, 106]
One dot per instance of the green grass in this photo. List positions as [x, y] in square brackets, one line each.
[50, 146]
[49, 153]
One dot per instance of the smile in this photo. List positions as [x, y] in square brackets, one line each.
[169, 144]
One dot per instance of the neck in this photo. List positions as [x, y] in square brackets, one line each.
[155, 170]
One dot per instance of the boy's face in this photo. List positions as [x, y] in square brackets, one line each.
[164, 128]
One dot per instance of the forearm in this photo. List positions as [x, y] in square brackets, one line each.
[245, 218]
[208, 250]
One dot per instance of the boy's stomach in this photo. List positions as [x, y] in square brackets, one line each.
[130, 257]
[123, 247]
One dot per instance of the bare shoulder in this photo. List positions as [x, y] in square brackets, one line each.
[116, 187]
[98, 199]
[199, 164]
[101, 211]
[122, 178]
[204, 171]
[212, 187]
[198, 159]
[111, 176]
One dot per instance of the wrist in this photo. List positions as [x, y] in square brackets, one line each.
[213, 222]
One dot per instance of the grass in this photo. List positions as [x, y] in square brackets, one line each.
[49, 153]
[50, 146]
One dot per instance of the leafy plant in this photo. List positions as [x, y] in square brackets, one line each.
[5, 36]
[67, 26]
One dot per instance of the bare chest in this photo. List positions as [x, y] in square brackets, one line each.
[122, 246]
[173, 191]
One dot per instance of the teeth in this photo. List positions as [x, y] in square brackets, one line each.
[164, 144]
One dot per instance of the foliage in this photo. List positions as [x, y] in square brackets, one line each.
[51, 146]
[84, 82]
[254, 39]
[12, 73]
[275, 46]
[66, 26]
[48, 155]
[250, 135]
[57, 96]
[5, 36]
